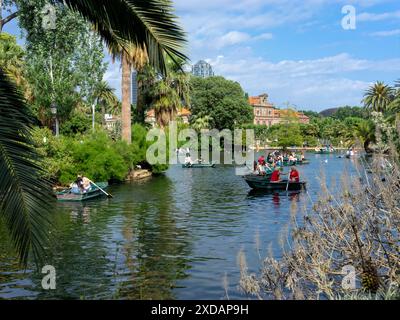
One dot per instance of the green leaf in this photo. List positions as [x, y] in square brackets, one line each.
[25, 196]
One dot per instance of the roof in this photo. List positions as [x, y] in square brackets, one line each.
[181, 113]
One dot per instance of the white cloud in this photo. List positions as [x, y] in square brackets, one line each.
[318, 83]
[236, 37]
[371, 17]
[264, 36]
[231, 38]
[387, 33]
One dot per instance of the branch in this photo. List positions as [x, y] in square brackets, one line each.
[8, 19]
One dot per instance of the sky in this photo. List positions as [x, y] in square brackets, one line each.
[296, 51]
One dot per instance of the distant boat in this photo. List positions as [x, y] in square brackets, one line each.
[324, 151]
[68, 196]
[198, 165]
[294, 163]
[264, 183]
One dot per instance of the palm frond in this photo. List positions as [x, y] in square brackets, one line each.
[25, 196]
[149, 25]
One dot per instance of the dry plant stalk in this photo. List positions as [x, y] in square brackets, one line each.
[358, 228]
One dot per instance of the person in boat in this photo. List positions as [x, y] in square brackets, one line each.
[276, 175]
[74, 188]
[261, 159]
[294, 175]
[268, 168]
[261, 169]
[86, 184]
[188, 159]
[292, 158]
[79, 182]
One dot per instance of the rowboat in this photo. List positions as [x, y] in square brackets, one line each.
[264, 183]
[294, 163]
[324, 151]
[93, 192]
[199, 165]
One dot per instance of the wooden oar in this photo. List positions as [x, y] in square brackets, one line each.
[107, 194]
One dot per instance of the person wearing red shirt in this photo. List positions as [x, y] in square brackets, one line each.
[294, 175]
[276, 175]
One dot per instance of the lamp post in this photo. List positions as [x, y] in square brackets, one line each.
[53, 110]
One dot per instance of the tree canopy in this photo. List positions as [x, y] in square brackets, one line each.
[222, 101]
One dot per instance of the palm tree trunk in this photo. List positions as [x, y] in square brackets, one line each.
[126, 100]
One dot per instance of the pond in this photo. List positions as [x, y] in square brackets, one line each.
[175, 236]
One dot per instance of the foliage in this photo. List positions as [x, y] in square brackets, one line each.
[78, 122]
[25, 195]
[64, 64]
[97, 155]
[286, 135]
[347, 111]
[378, 97]
[222, 100]
[12, 58]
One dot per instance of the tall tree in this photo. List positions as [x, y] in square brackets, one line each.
[105, 97]
[378, 97]
[171, 93]
[222, 100]
[64, 63]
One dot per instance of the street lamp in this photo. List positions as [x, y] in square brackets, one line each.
[53, 109]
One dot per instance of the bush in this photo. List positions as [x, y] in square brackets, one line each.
[95, 155]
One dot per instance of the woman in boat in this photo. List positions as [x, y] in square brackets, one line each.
[276, 175]
[294, 175]
[188, 159]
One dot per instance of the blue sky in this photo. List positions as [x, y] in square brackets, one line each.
[294, 50]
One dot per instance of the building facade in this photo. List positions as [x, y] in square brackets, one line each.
[202, 69]
[265, 113]
[134, 85]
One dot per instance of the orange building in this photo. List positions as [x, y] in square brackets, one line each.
[265, 113]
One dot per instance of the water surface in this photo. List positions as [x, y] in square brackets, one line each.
[175, 236]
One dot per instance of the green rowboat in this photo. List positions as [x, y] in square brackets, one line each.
[263, 183]
[93, 192]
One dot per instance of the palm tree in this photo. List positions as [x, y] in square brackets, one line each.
[365, 132]
[394, 107]
[202, 122]
[378, 97]
[171, 93]
[148, 25]
[105, 97]
[25, 196]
